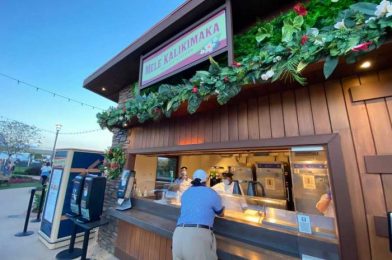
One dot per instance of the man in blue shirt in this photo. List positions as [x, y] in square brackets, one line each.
[193, 237]
[45, 172]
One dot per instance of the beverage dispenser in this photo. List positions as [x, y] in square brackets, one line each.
[92, 198]
[275, 181]
[76, 195]
[310, 182]
[243, 175]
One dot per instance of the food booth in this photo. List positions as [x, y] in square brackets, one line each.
[190, 95]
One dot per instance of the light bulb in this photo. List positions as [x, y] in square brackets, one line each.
[365, 65]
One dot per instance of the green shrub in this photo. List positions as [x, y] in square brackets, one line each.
[37, 198]
[19, 170]
[33, 171]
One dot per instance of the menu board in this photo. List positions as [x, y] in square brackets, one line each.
[53, 192]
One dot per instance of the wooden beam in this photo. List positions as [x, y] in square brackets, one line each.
[378, 164]
[381, 226]
[371, 91]
[236, 145]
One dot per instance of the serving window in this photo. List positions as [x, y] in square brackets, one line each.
[166, 168]
[278, 188]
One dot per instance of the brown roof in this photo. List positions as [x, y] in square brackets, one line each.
[123, 69]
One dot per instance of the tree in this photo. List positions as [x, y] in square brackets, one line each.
[17, 137]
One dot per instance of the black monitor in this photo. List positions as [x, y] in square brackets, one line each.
[92, 198]
[123, 184]
[76, 195]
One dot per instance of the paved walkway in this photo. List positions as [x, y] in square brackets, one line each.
[13, 206]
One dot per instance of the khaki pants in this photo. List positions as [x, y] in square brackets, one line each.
[194, 243]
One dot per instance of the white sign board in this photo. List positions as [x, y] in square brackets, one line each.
[304, 225]
[52, 194]
[308, 257]
[309, 182]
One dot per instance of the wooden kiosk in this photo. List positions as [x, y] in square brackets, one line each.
[330, 134]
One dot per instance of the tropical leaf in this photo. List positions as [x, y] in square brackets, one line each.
[301, 66]
[194, 103]
[365, 8]
[264, 32]
[330, 65]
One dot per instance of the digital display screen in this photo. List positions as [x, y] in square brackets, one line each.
[54, 189]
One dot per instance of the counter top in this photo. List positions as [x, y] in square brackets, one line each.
[227, 248]
[147, 221]
[251, 239]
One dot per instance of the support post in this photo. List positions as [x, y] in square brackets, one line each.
[25, 232]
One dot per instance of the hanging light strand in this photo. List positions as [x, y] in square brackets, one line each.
[54, 132]
[37, 88]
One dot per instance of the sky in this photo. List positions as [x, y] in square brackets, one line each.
[57, 44]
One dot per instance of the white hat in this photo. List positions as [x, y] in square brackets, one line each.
[200, 174]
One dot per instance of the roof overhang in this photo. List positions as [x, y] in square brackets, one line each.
[123, 69]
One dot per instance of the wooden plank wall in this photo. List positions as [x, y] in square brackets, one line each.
[364, 128]
[136, 243]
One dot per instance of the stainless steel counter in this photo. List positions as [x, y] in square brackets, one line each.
[251, 239]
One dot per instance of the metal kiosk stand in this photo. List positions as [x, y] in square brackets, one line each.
[72, 252]
[91, 204]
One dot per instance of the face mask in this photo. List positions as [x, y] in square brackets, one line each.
[226, 182]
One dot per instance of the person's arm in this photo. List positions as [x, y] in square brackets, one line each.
[217, 205]
[243, 203]
[220, 213]
[323, 203]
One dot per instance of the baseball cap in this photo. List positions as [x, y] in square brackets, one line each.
[227, 174]
[200, 174]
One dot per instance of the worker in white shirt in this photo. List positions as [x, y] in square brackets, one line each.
[226, 186]
[225, 190]
[183, 181]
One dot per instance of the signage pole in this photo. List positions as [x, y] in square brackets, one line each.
[58, 128]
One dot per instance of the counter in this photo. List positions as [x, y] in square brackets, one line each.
[235, 240]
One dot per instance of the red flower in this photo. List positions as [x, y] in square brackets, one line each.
[300, 9]
[236, 64]
[194, 89]
[362, 47]
[226, 79]
[304, 39]
[114, 165]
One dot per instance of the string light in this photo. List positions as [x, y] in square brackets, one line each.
[53, 132]
[37, 88]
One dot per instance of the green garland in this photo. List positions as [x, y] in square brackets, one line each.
[275, 50]
[114, 162]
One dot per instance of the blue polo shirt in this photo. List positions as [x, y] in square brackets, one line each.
[199, 205]
[46, 170]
